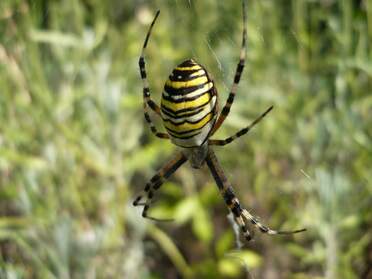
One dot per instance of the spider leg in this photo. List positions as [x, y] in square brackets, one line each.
[241, 132]
[239, 70]
[147, 101]
[264, 228]
[152, 125]
[241, 215]
[156, 181]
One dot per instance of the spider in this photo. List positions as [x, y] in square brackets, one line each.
[190, 116]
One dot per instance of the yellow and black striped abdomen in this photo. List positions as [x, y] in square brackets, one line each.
[189, 104]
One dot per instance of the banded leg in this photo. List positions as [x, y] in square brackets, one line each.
[152, 125]
[241, 215]
[241, 132]
[239, 70]
[148, 102]
[264, 228]
[156, 181]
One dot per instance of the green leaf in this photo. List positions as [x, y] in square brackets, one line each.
[202, 224]
[186, 209]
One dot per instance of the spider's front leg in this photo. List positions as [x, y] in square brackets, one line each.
[241, 215]
[155, 183]
[238, 73]
[147, 101]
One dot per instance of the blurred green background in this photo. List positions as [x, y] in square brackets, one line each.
[75, 149]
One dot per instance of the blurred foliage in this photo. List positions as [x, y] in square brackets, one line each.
[74, 147]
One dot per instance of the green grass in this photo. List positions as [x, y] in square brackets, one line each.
[74, 147]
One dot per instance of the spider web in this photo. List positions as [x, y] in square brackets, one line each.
[223, 70]
[213, 43]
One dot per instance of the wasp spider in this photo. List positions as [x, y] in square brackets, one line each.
[190, 116]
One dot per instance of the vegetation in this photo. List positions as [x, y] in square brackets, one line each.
[74, 146]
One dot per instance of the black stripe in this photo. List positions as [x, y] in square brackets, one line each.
[171, 170]
[228, 196]
[146, 92]
[143, 73]
[135, 202]
[192, 107]
[161, 135]
[239, 70]
[155, 178]
[144, 212]
[225, 111]
[157, 184]
[236, 210]
[147, 117]
[175, 166]
[141, 62]
[184, 77]
[152, 105]
[150, 194]
[183, 90]
[263, 229]
[231, 98]
[187, 63]
[176, 72]
[187, 121]
[174, 133]
[180, 116]
[244, 228]
[186, 109]
[185, 99]
[186, 73]
[182, 138]
[242, 132]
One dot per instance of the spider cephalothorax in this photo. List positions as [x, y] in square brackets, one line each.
[190, 116]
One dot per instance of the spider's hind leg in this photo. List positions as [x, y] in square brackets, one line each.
[263, 228]
[238, 212]
[241, 215]
[155, 183]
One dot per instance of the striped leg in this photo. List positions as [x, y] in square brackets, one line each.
[241, 132]
[156, 181]
[152, 125]
[241, 215]
[239, 70]
[148, 102]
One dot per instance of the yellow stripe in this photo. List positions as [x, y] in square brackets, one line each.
[185, 84]
[202, 110]
[196, 67]
[202, 100]
[188, 126]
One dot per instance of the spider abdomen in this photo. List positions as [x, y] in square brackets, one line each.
[189, 104]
